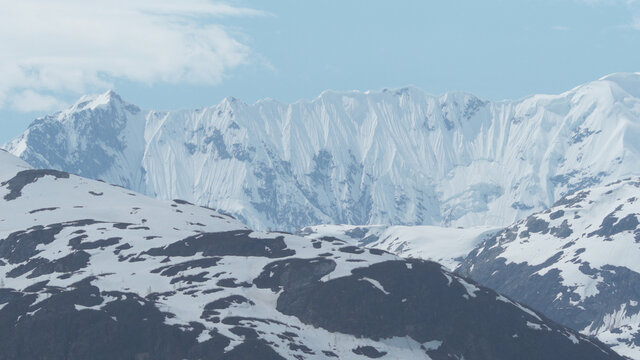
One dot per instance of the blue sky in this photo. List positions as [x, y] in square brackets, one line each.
[165, 54]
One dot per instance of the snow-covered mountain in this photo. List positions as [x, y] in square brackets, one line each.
[390, 157]
[577, 262]
[94, 271]
[446, 246]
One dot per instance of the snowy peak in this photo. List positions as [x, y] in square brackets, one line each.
[628, 82]
[98, 137]
[91, 102]
[109, 102]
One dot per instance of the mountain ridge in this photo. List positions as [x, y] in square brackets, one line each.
[575, 262]
[91, 271]
[399, 157]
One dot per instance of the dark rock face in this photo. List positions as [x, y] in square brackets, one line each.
[21, 245]
[564, 283]
[73, 262]
[236, 243]
[352, 250]
[77, 243]
[572, 199]
[43, 209]
[562, 231]
[223, 303]
[556, 214]
[293, 273]
[172, 270]
[537, 225]
[414, 303]
[26, 177]
[611, 225]
[131, 328]
[369, 351]
[520, 281]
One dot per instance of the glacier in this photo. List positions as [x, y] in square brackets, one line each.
[394, 157]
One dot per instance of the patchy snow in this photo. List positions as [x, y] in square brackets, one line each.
[147, 248]
[528, 311]
[432, 345]
[590, 240]
[376, 284]
[470, 288]
[534, 326]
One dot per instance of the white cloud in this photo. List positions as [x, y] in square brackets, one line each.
[55, 46]
[29, 100]
[635, 24]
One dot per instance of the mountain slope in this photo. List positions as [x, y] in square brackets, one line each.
[446, 246]
[576, 262]
[390, 157]
[94, 271]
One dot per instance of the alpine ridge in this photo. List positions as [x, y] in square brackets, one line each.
[397, 157]
[446, 246]
[92, 271]
[576, 262]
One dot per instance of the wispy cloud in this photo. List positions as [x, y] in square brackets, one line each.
[54, 46]
[632, 7]
[29, 100]
[560, 28]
